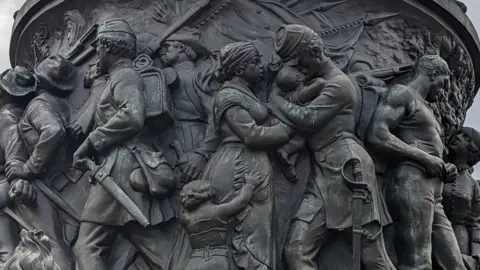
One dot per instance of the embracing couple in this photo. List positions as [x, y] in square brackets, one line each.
[311, 97]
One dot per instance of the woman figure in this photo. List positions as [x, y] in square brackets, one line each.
[239, 118]
[461, 198]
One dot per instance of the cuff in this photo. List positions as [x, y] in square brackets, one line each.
[97, 141]
[34, 166]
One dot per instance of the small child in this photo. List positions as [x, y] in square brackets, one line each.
[206, 223]
[294, 83]
[33, 253]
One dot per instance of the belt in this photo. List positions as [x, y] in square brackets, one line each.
[208, 252]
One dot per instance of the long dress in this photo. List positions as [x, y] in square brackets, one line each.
[238, 117]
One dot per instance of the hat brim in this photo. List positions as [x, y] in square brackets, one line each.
[196, 45]
[60, 87]
[13, 89]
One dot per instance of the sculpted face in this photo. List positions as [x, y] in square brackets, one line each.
[253, 71]
[70, 33]
[169, 53]
[460, 143]
[103, 59]
[439, 83]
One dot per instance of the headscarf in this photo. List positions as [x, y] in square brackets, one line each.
[233, 56]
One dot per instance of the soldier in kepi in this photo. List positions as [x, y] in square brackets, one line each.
[16, 89]
[329, 122]
[114, 206]
[405, 129]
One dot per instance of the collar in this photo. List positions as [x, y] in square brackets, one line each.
[186, 64]
[329, 69]
[121, 64]
[241, 87]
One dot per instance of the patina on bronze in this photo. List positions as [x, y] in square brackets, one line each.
[272, 112]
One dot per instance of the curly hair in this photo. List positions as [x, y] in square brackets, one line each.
[429, 65]
[33, 253]
[119, 46]
[195, 193]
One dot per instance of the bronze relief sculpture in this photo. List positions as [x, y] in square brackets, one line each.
[218, 134]
[461, 197]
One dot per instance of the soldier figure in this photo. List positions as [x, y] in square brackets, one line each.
[119, 118]
[192, 100]
[43, 127]
[404, 128]
[329, 120]
[16, 89]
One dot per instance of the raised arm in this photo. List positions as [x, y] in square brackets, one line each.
[328, 104]
[237, 204]
[393, 107]
[253, 135]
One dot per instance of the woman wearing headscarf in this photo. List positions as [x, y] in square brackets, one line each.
[239, 118]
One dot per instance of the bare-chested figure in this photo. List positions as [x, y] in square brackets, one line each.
[404, 127]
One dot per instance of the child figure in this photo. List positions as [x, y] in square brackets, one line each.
[206, 223]
[294, 83]
[34, 252]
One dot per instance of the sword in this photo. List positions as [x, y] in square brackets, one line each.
[361, 194]
[17, 218]
[61, 203]
[109, 184]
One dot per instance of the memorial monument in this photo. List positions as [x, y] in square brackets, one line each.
[238, 134]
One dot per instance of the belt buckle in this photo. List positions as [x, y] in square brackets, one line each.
[207, 254]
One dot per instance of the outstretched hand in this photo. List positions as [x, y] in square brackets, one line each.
[254, 178]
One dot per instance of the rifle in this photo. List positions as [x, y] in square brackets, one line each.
[155, 44]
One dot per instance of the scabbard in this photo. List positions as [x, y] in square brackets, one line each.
[124, 200]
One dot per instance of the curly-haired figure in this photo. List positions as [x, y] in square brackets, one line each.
[34, 252]
[207, 222]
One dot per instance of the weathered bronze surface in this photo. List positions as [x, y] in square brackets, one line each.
[241, 134]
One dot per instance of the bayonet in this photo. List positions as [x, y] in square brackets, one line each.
[324, 6]
[368, 20]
